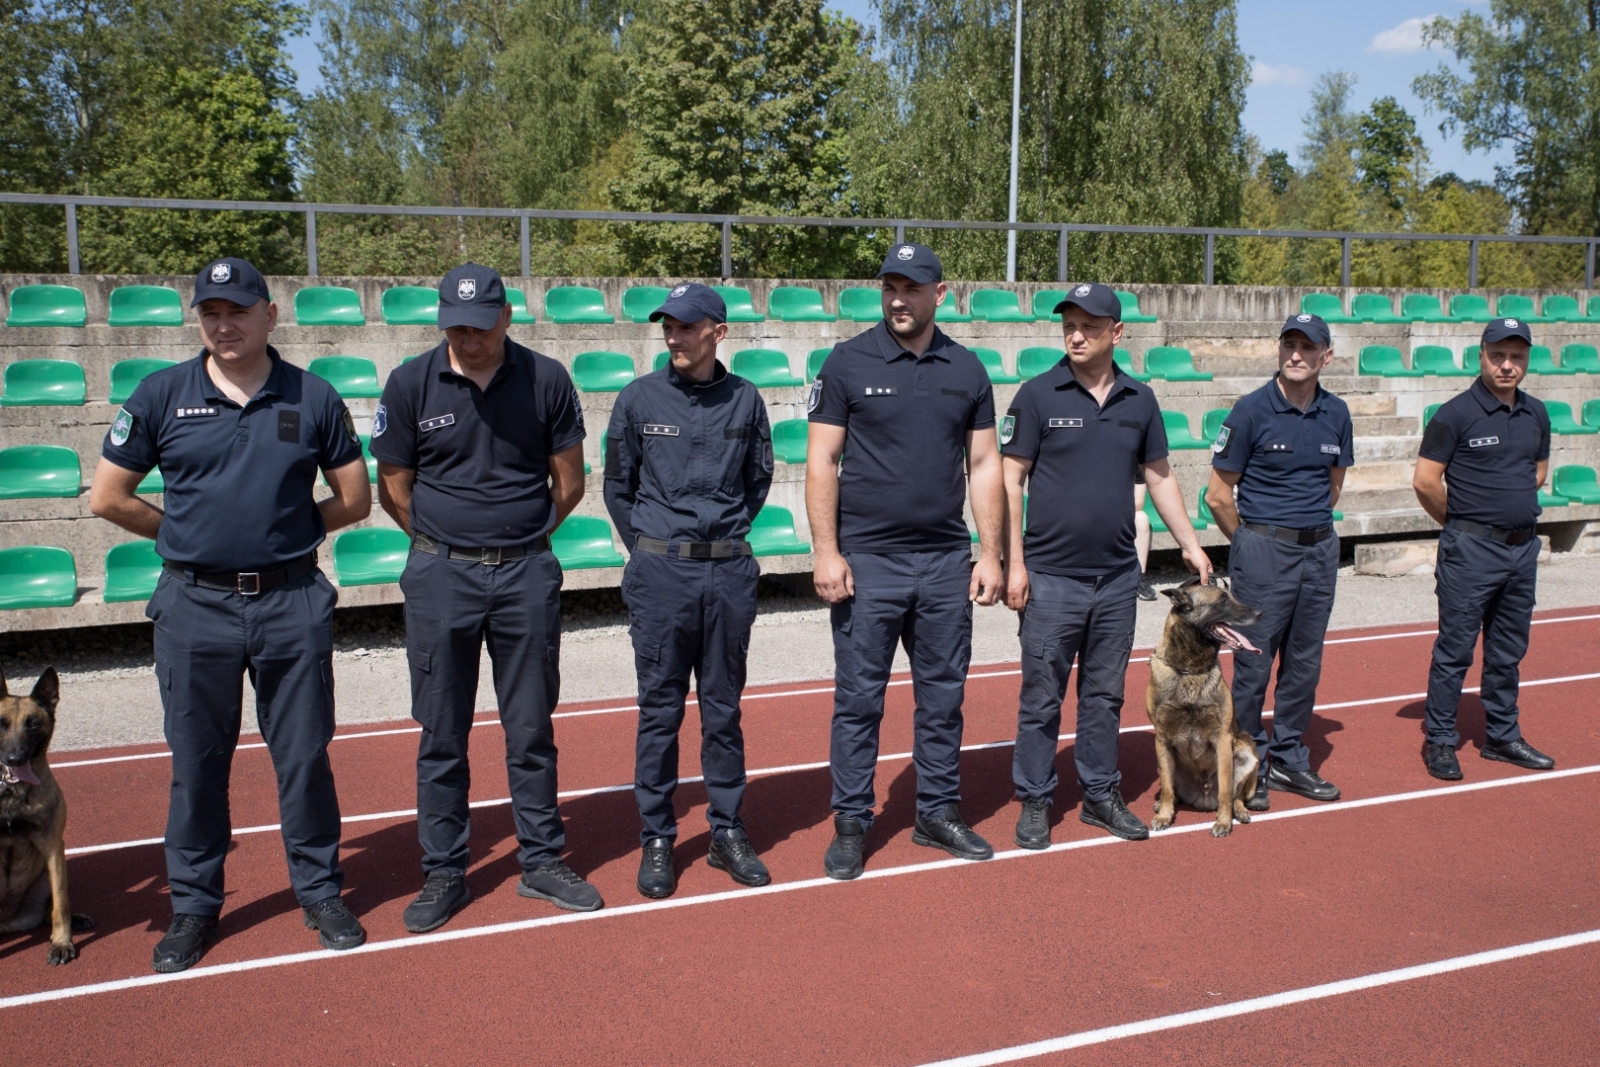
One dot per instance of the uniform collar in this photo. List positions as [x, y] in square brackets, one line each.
[719, 374]
[1280, 403]
[1492, 403]
[890, 348]
[275, 385]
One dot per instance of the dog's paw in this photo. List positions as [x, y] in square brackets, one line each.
[1221, 829]
[80, 923]
[1161, 822]
[60, 954]
[1241, 816]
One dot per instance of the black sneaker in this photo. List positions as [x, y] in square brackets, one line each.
[443, 894]
[1441, 761]
[561, 886]
[1520, 753]
[843, 860]
[185, 943]
[1033, 825]
[336, 927]
[946, 831]
[732, 852]
[1147, 591]
[1113, 816]
[657, 878]
[1260, 800]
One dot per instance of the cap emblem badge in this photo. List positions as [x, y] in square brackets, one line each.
[1082, 290]
[1511, 324]
[906, 253]
[221, 272]
[1302, 318]
[467, 288]
[679, 291]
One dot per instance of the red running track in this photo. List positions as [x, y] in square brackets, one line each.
[927, 958]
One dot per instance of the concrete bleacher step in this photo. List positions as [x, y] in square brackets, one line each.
[1385, 425]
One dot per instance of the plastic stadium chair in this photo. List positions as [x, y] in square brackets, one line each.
[797, 303]
[46, 305]
[1130, 308]
[132, 570]
[814, 362]
[411, 305]
[602, 372]
[996, 305]
[37, 576]
[1516, 306]
[860, 304]
[1470, 307]
[638, 301]
[662, 359]
[1032, 362]
[1385, 361]
[1124, 359]
[772, 533]
[766, 368]
[1203, 511]
[1577, 483]
[995, 367]
[1373, 307]
[1591, 413]
[1178, 435]
[1044, 302]
[152, 483]
[145, 305]
[372, 556]
[583, 543]
[350, 376]
[568, 304]
[950, 310]
[1540, 361]
[38, 470]
[1594, 310]
[1423, 307]
[521, 314]
[1329, 305]
[43, 383]
[741, 305]
[1211, 424]
[1550, 500]
[372, 463]
[1440, 361]
[1469, 357]
[128, 373]
[1428, 414]
[789, 440]
[1561, 420]
[329, 305]
[1561, 309]
[1582, 358]
[1173, 365]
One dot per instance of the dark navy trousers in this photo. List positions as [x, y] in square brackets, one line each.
[452, 608]
[689, 616]
[920, 600]
[1486, 586]
[1292, 586]
[206, 641]
[1092, 620]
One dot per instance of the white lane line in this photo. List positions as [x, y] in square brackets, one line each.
[1106, 1034]
[470, 932]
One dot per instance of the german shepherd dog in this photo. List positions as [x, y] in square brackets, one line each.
[1205, 760]
[33, 819]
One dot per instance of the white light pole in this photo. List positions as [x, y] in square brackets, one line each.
[1016, 129]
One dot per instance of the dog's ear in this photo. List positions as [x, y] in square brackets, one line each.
[47, 690]
[1179, 595]
[3, 693]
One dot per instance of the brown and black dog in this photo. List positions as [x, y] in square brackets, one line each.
[1205, 760]
[33, 821]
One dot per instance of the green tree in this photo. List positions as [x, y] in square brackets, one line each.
[1389, 146]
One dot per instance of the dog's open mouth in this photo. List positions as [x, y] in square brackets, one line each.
[12, 774]
[1233, 638]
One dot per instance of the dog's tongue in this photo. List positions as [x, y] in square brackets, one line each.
[20, 772]
[1234, 639]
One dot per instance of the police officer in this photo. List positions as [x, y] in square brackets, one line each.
[239, 436]
[898, 404]
[1285, 448]
[479, 444]
[1084, 434]
[1492, 445]
[688, 464]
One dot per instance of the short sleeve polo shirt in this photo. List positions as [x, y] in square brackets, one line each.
[482, 457]
[902, 478]
[1491, 454]
[238, 480]
[1283, 456]
[1086, 458]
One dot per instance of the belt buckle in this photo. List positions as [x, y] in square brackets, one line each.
[239, 580]
[490, 561]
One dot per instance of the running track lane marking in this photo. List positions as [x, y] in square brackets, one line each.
[1275, 1000]
[376, 816]
[471, 932]
[770, 696]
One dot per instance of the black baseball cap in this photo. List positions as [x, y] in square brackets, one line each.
[471, 295]
[916, 262]
[231, 279]
[1505, 329]
[692, 302]
[1312, 326]
[1098, 300]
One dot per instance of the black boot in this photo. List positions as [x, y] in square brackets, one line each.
[844, 858]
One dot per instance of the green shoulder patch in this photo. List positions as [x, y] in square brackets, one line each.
[1008, 429]
[350, 426]
[122, 428]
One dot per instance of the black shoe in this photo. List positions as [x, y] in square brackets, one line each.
[337, 928]
[561, 886]
[1441, 761]
[185, 943]
[1259, 800]
[1033, 825]
[657, 878]
[1519, 752]
[733, 853]
[1112, 815]
[1147, 591]
[1304, 783]
[443, 894]
[843, 860]
[946, 831]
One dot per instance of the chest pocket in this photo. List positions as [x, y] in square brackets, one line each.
[666, 450]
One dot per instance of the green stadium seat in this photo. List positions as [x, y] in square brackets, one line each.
[772, 533]
[1203, 511]
[37, 576]
[662, 359]
[1582, 358]
[1130, 308]
[949, 309]
[789, 440]
[797, 303]
[1385, 361]
[1124, 359]
[1550, 500]
[1541, 361]
[1469, 357]
[410, 305]
[1594, 310]
[1560, 308]
[741, 305]
[584, 542]
[638, 301]
[814, 362]
[1591, 413]
[569, 304]
[1178, 435]
[1032, 362]
[1173, 365]
[1211, 424]
[46, 305]
[521, 314]
[152, 484]
[374, 555]
[1373, 307]
[350, 376]
[128, 373]
[1329, 305]
[995, 367]
[132, 570]
[1338, 516]
[329, 305]
[860, 304]
[1577, 483]
[996, 305]
[1428, 413]
[1044, 302]
[1517, 306]
[145, 305]
[1423, 307]
[1561, 420]
[372, 463]
[765, 368]
[38, 471]
[44, 383]
[1440, 361]
[602, 372]
[1470, 307]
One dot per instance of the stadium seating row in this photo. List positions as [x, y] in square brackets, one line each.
[1464, 307]
[1386, 361]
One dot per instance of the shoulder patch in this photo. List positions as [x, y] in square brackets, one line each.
[380, 422]
[121, 428]
[814, 398]
[577, 407]
[1008, 429]
[1220, 446]
[350, 427]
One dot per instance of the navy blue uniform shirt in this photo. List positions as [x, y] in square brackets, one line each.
[482, 457]
[238, 479]
[902, 479]
[1284, 455]
[1086, 460]
[1491, 454]
[687, 460]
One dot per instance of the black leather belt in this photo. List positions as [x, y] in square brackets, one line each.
[1494, 533]
[1291, 535]
[245, 583]
[694, 549]
[489, 557]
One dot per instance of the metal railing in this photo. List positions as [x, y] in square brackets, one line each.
[728, 222]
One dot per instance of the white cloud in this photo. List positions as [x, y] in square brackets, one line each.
[1401, 40]
[1267, 74]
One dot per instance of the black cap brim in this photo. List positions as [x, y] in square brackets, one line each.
[245, 298]
[1114, 316]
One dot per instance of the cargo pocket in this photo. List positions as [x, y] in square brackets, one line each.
[646, 634]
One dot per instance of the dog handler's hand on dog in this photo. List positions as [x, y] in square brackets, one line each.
[1167, 496]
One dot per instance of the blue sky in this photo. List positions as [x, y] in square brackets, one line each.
[1290, 44]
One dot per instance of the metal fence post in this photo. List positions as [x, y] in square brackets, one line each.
[1344, 262]
[1061, 256]
[311, 243]
[1472, 264]
[1588, 266]
[527, 251]
[727, 249]
[1211, 258]
[73, 266]
[899, 233]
